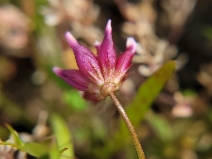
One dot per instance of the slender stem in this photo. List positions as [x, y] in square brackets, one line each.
[130, 127]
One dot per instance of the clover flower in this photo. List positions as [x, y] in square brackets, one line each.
[100, 75]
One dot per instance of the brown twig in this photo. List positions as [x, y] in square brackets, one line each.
[130, 127]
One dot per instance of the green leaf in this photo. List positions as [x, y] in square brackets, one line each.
[8, 144]
[160, 126]
[63, 136]
[18, 142]
[137, 109]
[36, 149]
[54, 151]
[74, 100]
[148, 91]
[61, 151]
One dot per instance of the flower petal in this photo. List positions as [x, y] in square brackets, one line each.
[86, 60]
[107, 54]
[124, 60]
[74, 78]
[93, 97]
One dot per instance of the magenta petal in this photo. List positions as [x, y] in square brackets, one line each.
[107, 54]
[125, 58]
[74, 78]
[86, 60]
[92, 97]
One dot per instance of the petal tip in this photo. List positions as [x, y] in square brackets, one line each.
[56, 70]
[108, 26]
[131, 43]
[71, 40]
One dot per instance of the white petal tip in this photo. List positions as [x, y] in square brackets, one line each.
[71, 40]
[131, 43]
[108, 26]
[56, 70]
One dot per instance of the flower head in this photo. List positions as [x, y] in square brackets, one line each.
[98, 75]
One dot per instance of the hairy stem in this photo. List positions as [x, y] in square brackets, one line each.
[130, 127]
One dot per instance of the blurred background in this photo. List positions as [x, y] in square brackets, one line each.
[174, 119]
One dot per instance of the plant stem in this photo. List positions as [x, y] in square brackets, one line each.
[130, 127]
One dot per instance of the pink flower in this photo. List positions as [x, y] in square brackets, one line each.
[98, 75]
